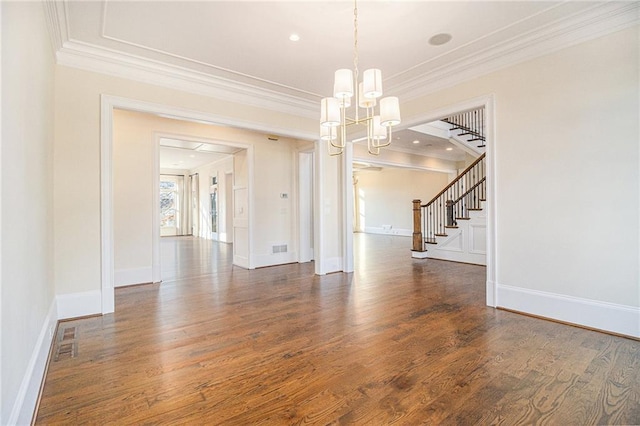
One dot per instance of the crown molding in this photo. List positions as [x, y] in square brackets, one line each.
[598, 21]
[55, 13]
[89, 57]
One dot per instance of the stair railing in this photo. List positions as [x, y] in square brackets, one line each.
[470, 123]
[453, 203]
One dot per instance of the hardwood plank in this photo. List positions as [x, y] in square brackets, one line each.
[399, 341]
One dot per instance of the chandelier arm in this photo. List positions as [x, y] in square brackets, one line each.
[333, 154]
[376, 150]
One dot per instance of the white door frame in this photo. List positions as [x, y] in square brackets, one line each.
[305, 205]
[487, 102]
[107, 104]
[155, 221]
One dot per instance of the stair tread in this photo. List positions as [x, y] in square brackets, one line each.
[463, 218]
[441, 235]
[474, 210]
[430, 241]
[451, 227]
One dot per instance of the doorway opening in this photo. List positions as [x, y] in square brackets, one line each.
[143, 189]
[368, 182]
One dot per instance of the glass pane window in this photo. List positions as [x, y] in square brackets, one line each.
[170, 204]
[168, 186]
[167, 209]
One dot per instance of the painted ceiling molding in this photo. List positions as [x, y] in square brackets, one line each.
[420, 80]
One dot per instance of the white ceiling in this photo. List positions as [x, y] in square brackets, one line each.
[240, 50]
[248, 41]
[187, 155]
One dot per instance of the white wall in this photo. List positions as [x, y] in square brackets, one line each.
[385, 197]
[220, 169]
[567, 184]
[26, 283]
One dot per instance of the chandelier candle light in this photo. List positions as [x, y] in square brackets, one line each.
[333, 116]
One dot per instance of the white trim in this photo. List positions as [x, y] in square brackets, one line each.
[2, 409]
[486, 102]
[107, 104]
[132, 276]
[597, 21]
[27, 397]
[332, 264]
[419, 254]
[263, 260]
[85, 56]
[490, 205]
[347, 209]
[400, 232]
[409, 151]
[250, 204]
[604, 316]
[381, 162]
[81, 304]
[156, 233]
[318, 223]
[156, 270]
[472, 236]
[305, 205]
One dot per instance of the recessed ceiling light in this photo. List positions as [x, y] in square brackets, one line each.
[449, 149]
[440, 39]
[294, 37]
[416, 142]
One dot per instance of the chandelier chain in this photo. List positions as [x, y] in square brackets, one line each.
[355, 39]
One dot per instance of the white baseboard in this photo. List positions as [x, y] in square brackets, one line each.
[329, 265]
[388, 231]
[419, 254]
[79, 304]
[122, 277]
[27, 397]
[262, 260]
[620, 319]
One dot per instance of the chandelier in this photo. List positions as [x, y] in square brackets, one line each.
[333, 111]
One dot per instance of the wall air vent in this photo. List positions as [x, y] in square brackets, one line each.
[282, 248]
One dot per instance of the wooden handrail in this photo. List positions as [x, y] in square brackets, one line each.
[468, 191]
[453, 182]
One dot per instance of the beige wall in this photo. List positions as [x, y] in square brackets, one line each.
[385, 196]
[134, 137]
[567, 183]
[566, 168]
[77, 159]
[26, 226]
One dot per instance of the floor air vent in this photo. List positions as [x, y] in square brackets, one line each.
[66, 345]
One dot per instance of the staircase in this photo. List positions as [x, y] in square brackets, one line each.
[467, 131]
[452, 226]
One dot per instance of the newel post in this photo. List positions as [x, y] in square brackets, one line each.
[418, 245]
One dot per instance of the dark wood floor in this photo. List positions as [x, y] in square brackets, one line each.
[399, 341]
